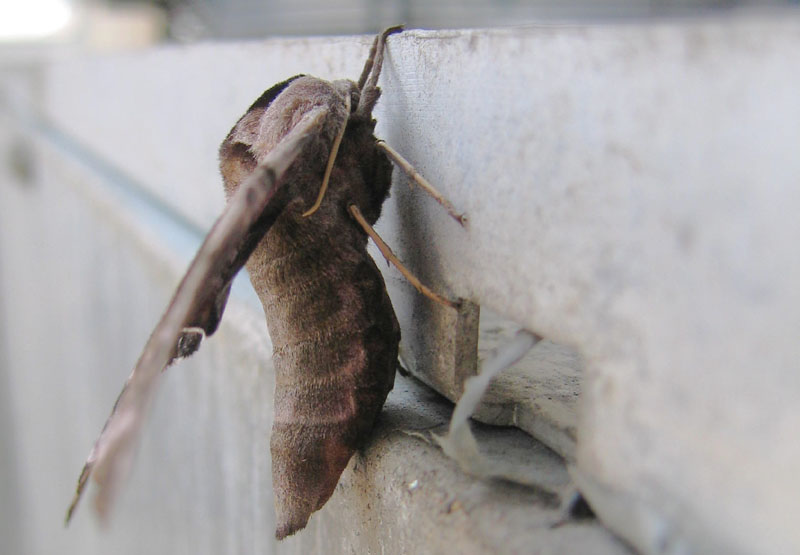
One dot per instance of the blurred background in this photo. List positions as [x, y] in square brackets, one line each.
[131, 23]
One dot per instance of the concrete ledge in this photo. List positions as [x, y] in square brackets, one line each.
[97, 281]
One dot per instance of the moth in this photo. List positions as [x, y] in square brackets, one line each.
[305, 179]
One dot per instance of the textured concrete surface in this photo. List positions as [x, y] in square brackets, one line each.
[83, 279]
[99, 277]
[632, 191]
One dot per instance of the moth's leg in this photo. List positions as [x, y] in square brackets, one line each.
[368, 82]
[390, 257]
[415, 177]
[368, 64]
[331, 159]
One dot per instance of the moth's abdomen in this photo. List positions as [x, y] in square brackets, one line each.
[335, 339]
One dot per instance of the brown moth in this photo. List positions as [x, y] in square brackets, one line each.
[305, 179]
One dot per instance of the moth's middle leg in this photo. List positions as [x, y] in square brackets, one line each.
[391, 257]
[417, 178]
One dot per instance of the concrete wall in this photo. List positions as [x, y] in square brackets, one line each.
[632, 193]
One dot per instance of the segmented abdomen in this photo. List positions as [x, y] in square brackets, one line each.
[335, 340]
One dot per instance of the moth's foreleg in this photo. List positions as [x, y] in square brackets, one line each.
[331, 159]
[391, 257]
[373, 51]
[417, 178]
[368, 82]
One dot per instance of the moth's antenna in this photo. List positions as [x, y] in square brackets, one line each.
[368, 82]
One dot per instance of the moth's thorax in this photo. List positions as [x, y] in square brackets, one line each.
[263, 126]
[300, 258]
[299, 98]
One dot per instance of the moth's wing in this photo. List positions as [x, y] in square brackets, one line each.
[208, 311]
[252, 209]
